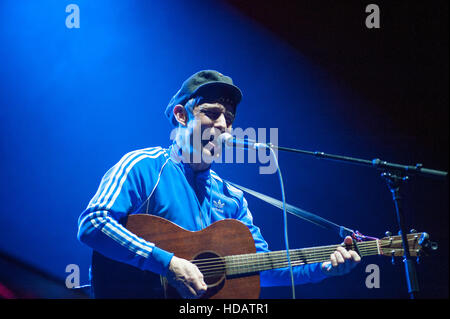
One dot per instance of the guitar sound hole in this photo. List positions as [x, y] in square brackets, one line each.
[212, 266]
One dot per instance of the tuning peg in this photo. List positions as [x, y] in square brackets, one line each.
[392, 258]
[388, 233]
[418, 259]
[412, 231]
[434, 245]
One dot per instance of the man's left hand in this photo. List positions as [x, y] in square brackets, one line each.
[342, 261]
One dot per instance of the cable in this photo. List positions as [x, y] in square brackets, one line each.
[285, 221]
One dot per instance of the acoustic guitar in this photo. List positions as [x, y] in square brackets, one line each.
[226, 255]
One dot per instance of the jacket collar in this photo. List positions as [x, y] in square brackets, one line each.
[177, 159]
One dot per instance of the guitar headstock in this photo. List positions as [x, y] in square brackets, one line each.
[417, 244]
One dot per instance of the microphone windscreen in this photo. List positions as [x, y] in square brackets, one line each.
[225, 138]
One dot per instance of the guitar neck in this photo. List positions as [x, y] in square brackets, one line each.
[250, 263]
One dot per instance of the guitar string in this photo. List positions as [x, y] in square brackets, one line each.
[257, 263]
[260, 267]
[279, 264]
[282, 252]
[261, 261]
[326, 250]
[224, 271]
[275, 255]
[214, 271]
[266, 261]
[258, 260]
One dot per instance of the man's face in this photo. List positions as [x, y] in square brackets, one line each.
[208, 120]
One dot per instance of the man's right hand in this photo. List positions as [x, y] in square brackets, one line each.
[186, 278]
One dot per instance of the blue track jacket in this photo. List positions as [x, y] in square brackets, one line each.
[155, 181]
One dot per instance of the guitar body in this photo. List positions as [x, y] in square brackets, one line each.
[112, 279]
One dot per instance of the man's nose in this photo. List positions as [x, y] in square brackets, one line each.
[221, 123]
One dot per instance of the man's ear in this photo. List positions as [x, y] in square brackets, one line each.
[180, 114]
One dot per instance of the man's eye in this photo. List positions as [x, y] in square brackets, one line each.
[212, 114]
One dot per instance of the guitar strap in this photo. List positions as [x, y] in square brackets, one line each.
[310, 217]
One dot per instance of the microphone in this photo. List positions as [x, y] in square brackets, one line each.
[232, 142]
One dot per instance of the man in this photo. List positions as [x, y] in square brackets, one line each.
[178, 184]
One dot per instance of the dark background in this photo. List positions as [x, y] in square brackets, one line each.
[74, 101]
[399, 74]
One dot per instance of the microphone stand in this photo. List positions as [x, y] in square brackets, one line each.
[395, 175]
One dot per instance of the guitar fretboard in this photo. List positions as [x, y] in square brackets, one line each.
[256, 262]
